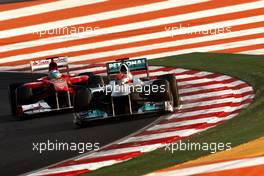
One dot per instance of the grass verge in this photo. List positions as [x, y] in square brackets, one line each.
[247, 126]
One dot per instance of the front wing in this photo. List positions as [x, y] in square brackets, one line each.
[39, 107]
[147, 108]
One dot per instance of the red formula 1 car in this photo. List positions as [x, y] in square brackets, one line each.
[53, 92]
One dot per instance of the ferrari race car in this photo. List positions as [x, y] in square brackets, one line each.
[50, 93]
[122, 94]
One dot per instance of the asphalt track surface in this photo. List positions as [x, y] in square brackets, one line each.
[17, 136]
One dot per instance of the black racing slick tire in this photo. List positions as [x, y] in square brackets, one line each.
[82, 99]
[94, 80]
[163, 93]
[87, 73]
[173, 87]
[24, 95]
[12, 97]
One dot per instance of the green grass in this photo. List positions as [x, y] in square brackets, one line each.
[247, 126]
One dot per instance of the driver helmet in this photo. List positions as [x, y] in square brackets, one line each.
[124, 74]
[54, 74]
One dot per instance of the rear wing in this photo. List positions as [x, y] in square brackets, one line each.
[44, 64]
[133, 65]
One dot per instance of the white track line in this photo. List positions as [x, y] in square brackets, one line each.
[197, 80]
[197, 75]
[89, 166]
[142, 149]
[206, 111]
[180, 133]
[194, 89]
[206, 95]
[216, 101]
[191, 122]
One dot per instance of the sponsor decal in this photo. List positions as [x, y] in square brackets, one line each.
[136, 64]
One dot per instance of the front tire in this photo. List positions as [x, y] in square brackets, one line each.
[24, 95]
[12, 97]
[163, 93]
[82, 99]
[173, 87]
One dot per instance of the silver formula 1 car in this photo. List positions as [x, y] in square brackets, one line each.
[122, 94]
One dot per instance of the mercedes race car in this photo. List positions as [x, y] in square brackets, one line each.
[121, 94]
[53, 92]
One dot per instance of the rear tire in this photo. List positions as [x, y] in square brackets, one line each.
[87, 74]
[94, 80]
